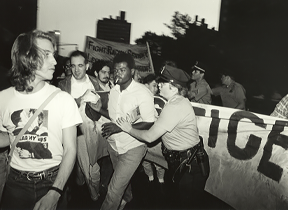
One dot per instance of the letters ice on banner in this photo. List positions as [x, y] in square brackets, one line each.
[247, 153]
[98, 49]
[248, 157]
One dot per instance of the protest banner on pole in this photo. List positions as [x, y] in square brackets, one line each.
[98, 49]
[150, 58]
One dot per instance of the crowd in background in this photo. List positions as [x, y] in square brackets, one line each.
[84, 122]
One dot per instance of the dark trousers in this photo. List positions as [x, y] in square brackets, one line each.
[3, 164]
[22, 193]
[188, 185]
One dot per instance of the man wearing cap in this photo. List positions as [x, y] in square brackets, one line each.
[200, 90]
[177, 127]
[232, 93]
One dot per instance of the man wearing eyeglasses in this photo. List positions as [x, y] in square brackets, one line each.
[67, 67]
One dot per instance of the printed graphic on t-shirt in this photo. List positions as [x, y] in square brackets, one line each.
[34, 143]
[133, 115]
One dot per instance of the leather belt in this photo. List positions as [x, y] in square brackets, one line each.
[31, 175]
[4, 149]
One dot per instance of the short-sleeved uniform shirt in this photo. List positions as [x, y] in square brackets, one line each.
[41, 146]
[136, 104]
[178, 119]
[202, 90]
[232, 95]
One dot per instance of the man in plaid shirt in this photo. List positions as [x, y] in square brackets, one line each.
[281, 109]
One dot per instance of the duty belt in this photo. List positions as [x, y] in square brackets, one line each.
[186, 157]
[32, 175]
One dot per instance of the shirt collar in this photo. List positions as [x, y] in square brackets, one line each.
[231, 84]
[73, 80]
[117, 87]
[104, 86]
[173, 98]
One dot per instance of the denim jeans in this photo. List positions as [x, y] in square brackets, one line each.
[124, 167]
[148, 169]
[21, 193]
[3, 162]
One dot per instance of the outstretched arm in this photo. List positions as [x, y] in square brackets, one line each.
[154, 133]
[111, 128]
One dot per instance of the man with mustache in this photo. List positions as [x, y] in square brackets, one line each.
[102, 72]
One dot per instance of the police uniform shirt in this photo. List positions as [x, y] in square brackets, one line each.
[232, 95]
[202, 90]
[178, 119]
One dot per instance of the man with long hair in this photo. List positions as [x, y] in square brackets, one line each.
[33, 182]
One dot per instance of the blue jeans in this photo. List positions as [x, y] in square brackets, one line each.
[148, 169]
[124, 167]
[3, 162]
[21, 193]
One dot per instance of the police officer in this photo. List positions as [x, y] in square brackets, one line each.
[200, 90]
[181, 144]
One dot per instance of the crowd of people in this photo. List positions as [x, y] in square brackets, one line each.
[107, 110]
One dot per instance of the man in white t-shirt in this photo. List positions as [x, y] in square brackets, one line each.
[83, 87]
[41, 163]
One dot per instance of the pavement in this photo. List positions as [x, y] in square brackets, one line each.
[146, 195]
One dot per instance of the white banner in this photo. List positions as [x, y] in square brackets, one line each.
[248, 157]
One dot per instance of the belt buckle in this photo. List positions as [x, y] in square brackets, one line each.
[40, 175]
[27, 176]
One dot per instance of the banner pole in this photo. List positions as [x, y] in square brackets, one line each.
[150, 58]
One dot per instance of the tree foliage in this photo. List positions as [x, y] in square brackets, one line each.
[179, 24]
[161, 47]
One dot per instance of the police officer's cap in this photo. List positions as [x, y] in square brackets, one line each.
[174, 75]
[199, 66]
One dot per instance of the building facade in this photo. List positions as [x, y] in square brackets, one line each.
[116, 30]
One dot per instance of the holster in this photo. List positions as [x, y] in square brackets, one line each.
[181, 161]
[202, 159]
